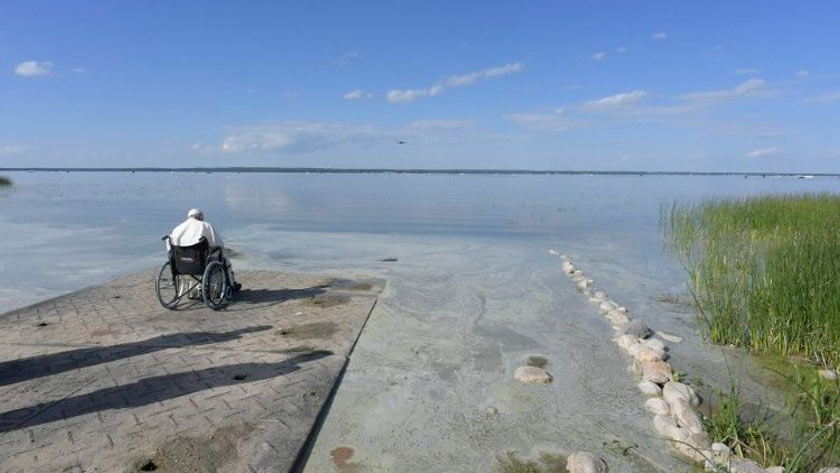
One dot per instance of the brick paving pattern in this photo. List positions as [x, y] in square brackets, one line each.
[106, 380]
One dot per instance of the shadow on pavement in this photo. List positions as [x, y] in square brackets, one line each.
[39, 366]
[150, 390]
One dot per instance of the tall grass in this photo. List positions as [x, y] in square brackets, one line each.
[764, 271]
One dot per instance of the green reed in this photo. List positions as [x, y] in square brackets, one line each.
[764, 271]
[5, 181]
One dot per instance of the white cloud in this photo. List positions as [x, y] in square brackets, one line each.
[613, 102]
[764, 152]
[302, 137]
[358, 94]
[542, 121]
[621, 50]
[599, 55]
[295, 136]
[79, 70]
[347, 58]
[750, 87]
[439, 124]
[410, 95]
[802, 74]
[659, 36]
[33, 68]
[470, 78]
[14, 150]
[743, 72]
[828, 97]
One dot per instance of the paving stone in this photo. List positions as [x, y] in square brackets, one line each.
[94, 382]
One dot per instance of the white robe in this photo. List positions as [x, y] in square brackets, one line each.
[191, 231]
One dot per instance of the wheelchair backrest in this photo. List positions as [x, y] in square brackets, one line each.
[189, 259]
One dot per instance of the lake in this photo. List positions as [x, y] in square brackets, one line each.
[473, 292]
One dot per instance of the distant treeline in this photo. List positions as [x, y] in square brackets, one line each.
[303, 170]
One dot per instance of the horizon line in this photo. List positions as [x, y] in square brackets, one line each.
[329, 170]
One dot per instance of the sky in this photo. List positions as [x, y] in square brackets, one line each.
[579, 85]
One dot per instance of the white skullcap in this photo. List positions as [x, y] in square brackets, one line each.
[194, 212]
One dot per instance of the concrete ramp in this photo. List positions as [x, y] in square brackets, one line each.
[105, 379]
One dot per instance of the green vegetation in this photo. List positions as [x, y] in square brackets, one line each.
[813, 439]
[5, 181]
[548, 464]
[537, 361]
[764, 272]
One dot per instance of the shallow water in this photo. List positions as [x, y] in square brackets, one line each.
[472, 294]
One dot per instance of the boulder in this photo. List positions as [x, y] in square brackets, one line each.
[600, 295]
[674, 391]
[587, 293]
[687, 417]
[830, 469]
[585, 283]
[626, 341]
[617, 318]
[830, 375]
[553, 252]
[650, 389]
[658, 372]
[532, 375]
[665, 425]
[564, 257]
[721, 453]
[578, 272]
[607, 306]
[775, 469]
[654, 343]
[584, 462]
[657, 406]
[740, 465]
[636, 328]
[644, 354]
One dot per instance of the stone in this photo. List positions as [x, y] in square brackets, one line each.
[657, 406]
[658, 372]
[578, 272]
[578, 277]
[585, 283]
[626, 341]
[491, 411]
[830, 469]
[564, 257]
[718, 447]
[669, 338]
[721, 453]
[553, 252]
[617, 318]
[584, 462]
[775, 469]
[687, 417]
[637, 328]
[621, 308]
[607, 306]
[665, 425]
[587, 293]
[830, 375]
[568, 267]
[645, 354]
[650, 389]
[601, 295]
[674, 391]
[654, 343]
[532, 375]
[740, 465]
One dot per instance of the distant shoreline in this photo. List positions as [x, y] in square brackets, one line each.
[307, 170]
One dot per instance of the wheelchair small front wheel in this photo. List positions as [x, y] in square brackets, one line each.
[166, 287]
[214, 285]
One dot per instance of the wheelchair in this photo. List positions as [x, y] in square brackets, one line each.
[192, 268]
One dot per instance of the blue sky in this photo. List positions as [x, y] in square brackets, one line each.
[729, 86]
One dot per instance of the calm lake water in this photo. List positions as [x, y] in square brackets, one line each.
[473, 292]
[62, 231]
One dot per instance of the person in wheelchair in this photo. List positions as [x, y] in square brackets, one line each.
[191, 231]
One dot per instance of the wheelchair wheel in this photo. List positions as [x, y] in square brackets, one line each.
[166, 287]
[214, 285]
